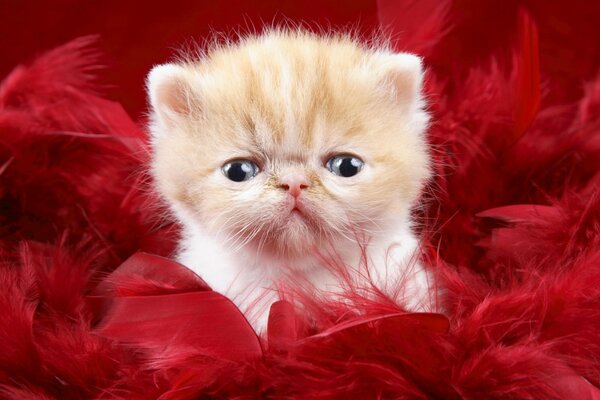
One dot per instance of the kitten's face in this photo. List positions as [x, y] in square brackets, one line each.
[290, 143]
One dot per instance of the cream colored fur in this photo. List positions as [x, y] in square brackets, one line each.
[289, 100]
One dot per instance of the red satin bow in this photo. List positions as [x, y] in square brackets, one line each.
[153, 300]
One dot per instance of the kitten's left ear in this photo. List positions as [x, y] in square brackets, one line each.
[172, 93]
[404, 73]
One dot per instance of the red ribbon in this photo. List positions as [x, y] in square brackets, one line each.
[150, 300]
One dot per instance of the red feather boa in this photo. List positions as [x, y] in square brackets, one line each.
[512, 228]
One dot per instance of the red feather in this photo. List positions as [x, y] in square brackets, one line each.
[528, 71]
[415, 26]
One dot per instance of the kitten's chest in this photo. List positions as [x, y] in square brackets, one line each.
[235, 273]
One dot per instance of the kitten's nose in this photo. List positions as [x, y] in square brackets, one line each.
[293, 183]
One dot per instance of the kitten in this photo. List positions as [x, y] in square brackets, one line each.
[285, 149]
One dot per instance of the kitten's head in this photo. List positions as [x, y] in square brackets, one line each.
[287, 141]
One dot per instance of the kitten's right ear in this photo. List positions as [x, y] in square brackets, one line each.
[172, 93]
[404, 73]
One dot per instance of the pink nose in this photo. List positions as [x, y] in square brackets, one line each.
[293, 183]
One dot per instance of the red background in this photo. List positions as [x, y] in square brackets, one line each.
[136, 34]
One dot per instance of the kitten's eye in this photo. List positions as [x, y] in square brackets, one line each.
[240, 170]
[345, 165]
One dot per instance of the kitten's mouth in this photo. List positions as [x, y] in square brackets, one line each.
[297, 210]
[293, 233]
[298, 214]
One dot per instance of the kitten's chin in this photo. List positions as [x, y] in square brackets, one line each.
[293, 241]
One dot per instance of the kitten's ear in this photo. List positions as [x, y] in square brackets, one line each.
[172, 93]
[404, 72]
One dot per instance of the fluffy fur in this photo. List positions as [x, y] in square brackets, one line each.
[518, 251]
[289, 101]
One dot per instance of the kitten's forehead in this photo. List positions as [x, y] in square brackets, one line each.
[288, 93]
